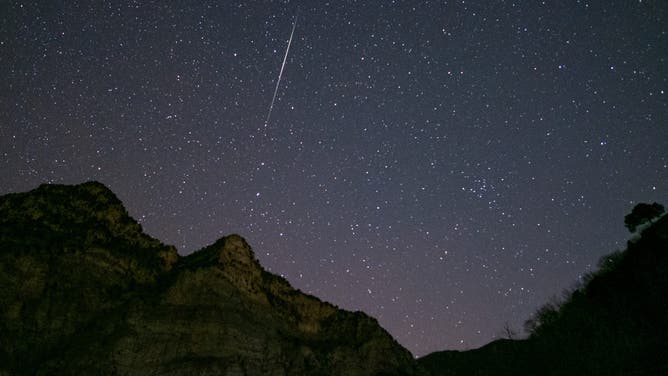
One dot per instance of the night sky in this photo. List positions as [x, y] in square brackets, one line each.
[444, 166]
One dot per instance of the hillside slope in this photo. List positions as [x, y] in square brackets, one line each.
[615, 324]
[85, 291]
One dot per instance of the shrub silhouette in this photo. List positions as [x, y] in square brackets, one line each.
[642, 213]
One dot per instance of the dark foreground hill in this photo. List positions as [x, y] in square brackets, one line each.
[85, 291]
[616, 323]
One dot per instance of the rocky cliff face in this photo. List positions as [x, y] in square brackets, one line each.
[85, 291]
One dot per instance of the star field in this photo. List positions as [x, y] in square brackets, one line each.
[444, 166]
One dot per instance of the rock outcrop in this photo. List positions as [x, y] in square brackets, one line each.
[85, 291]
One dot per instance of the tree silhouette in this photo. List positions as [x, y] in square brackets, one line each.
[642, 213]
[509, 332]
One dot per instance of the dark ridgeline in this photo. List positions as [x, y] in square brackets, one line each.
[616, 323]
[85, 291]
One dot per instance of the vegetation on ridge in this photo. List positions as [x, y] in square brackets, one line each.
[614, 323]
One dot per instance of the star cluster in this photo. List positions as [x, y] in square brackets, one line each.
[445, 166]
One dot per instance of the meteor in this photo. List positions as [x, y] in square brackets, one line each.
[280, 74]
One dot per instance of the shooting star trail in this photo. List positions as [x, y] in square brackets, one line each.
[280, 74]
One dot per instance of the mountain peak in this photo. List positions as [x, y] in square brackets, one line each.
[84, 289]
[236, 251]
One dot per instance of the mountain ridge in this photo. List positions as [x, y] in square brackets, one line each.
[86, 291]
[614, 323]
[89, 292]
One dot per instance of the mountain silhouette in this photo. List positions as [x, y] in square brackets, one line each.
[85, 291]
[615, 323]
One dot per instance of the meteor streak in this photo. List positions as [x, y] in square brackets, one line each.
[280, 74]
